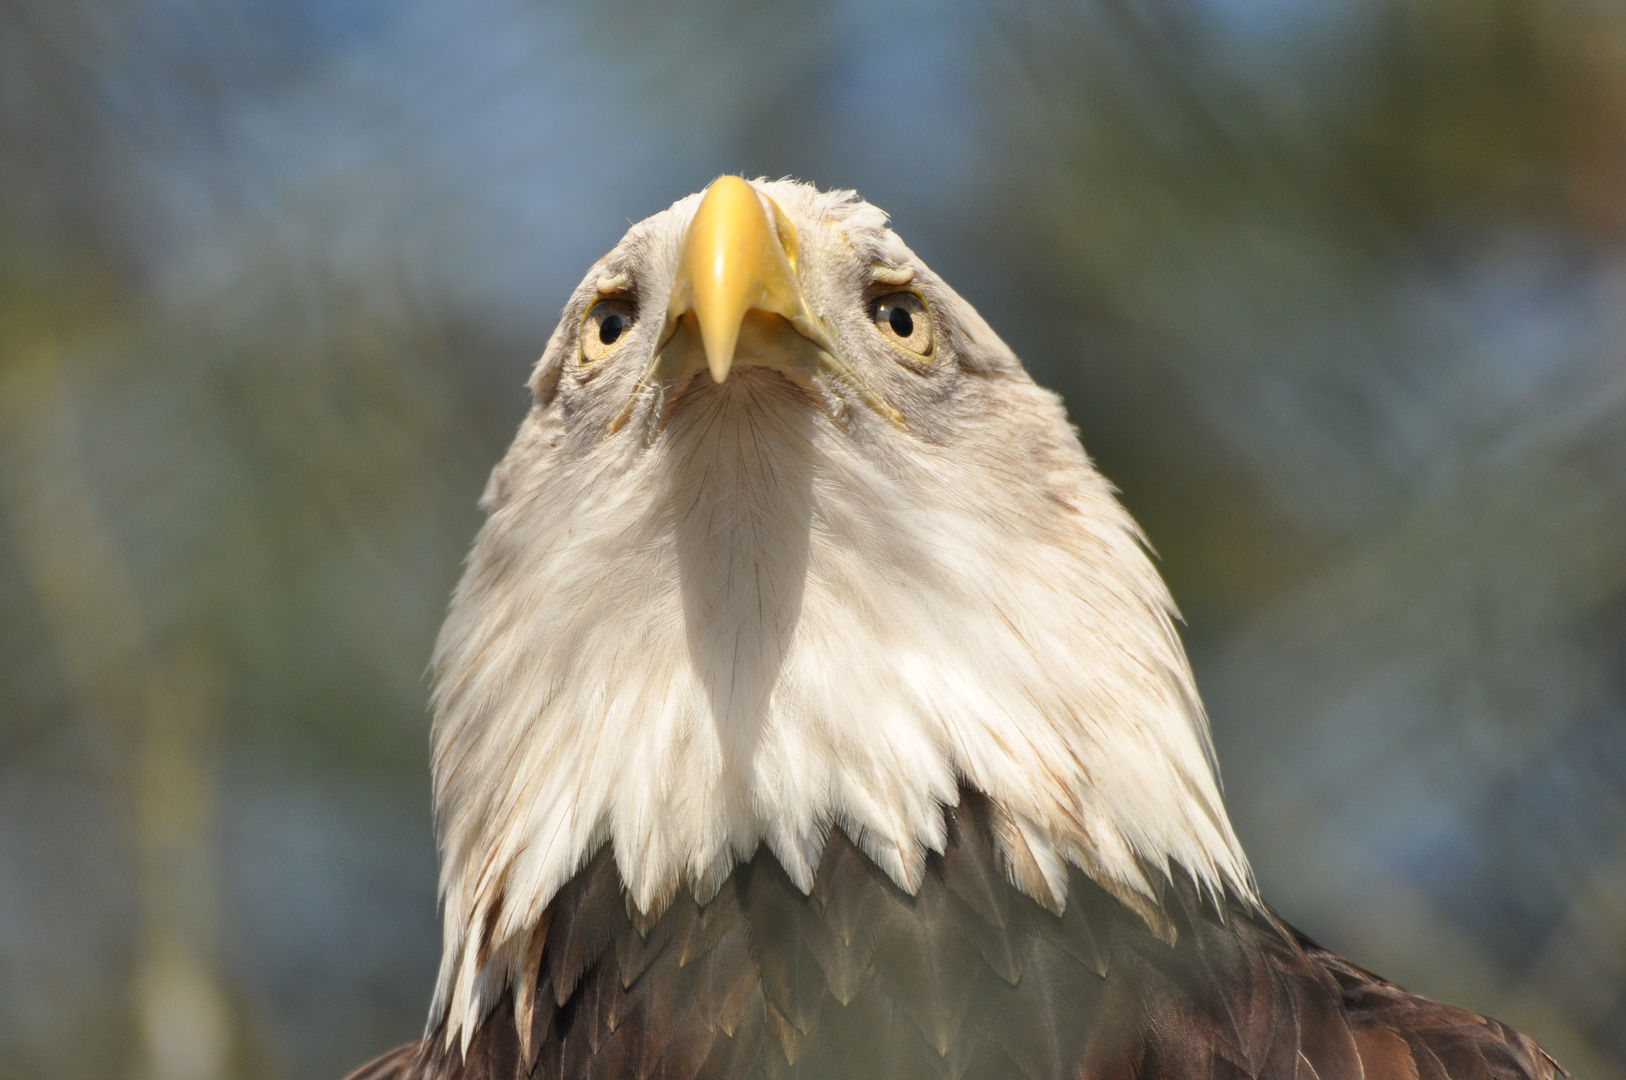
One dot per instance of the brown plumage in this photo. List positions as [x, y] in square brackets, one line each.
[970, 978]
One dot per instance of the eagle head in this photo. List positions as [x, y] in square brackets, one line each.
[790, 541]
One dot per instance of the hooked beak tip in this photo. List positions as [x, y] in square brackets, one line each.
[719, 343]
[733, 262]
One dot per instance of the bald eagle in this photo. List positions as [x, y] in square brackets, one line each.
[810, 707]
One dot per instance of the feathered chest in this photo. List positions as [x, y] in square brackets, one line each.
[966, 978]
[753, 631]
[856, 978]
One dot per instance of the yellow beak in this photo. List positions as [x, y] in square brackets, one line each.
[734, 262]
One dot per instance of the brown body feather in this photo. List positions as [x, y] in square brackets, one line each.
[967, 979]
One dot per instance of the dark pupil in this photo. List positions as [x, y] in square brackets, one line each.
[903, 324]
[611, 328]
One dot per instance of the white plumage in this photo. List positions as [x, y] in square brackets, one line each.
[688, 631]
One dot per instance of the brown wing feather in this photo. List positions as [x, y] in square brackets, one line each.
[1411, 1036]
[966, 980]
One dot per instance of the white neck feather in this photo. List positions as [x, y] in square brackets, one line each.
[758, 629]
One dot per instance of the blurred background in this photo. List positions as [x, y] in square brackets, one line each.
[1336, 293]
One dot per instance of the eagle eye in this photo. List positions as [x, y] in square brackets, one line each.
[605, 327]
[902, 317]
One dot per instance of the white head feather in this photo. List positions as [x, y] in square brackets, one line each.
[747, 613]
